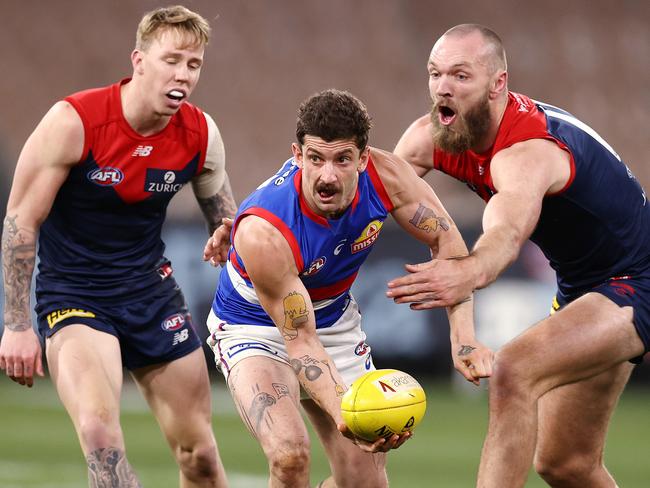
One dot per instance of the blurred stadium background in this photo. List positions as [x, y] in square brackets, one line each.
[591, 57]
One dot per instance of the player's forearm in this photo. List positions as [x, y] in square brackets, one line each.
[221, 204]
[461, 321]
[318, 375]
[18, 257]
[495, 250]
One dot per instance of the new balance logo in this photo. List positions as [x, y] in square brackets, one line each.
[142, 151]
[181, 336]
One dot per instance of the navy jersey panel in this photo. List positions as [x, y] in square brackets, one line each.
[600, 225]
[102, 235]
[327, 252]
[154, 327]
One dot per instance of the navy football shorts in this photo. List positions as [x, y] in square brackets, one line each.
[625, 291]
[152, 327]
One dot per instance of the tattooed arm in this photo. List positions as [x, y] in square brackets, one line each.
[212, 186]
[441, 281]
[272, 269]
[43, 165]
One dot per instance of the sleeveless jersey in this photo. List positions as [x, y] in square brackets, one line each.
[102, 236]
[598, 225]
[327, 252]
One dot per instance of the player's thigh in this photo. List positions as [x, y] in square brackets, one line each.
[266, 393]
[587, 337]
[178, 393]
[573, 419]
[86, 368]
[347, 460]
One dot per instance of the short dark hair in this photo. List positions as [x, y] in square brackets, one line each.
[334, 115]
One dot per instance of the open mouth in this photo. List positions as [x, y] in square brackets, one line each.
[446, 115]
[176, 95]
[326, 194]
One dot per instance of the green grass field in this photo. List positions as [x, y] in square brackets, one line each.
[38, 446]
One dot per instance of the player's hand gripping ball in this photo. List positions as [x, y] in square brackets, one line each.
[382, 403]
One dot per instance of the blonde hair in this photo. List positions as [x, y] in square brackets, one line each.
[193, 28]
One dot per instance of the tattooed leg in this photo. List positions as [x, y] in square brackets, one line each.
[109, 468]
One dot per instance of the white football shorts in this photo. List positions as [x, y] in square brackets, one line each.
[344, 341]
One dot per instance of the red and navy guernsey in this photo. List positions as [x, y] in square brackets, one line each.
[102, 237]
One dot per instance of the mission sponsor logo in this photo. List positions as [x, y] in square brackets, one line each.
[173, 322]
[57, 316]
[161, 181]
[367, 237]
[107, 176]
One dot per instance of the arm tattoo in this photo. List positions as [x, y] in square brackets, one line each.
[18, 256]
[426, 220]
[222, 204]
[108, 468]
[465, 350]
[295, 315]
[313, 371]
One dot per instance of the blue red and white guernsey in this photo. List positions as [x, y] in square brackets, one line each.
[327, 252]
[595, 229]
[102, 237]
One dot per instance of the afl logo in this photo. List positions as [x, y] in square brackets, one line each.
[105, 176]
[315, 267]
[361, 349]
[173, 322]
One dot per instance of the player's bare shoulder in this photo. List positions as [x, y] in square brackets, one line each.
[397, 176]
[59, 136]
[416, 145]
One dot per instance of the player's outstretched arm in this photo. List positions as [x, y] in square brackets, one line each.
[54, 146]
[419, 211]
[522, 175]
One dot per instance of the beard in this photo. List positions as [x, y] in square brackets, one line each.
[471, 128]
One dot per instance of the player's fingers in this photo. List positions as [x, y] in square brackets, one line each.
[405, 280]
[18, 369]
[3, 363]
[428, 305]
[402, 439]
[414, 294]
[39, 366]
[463, 368]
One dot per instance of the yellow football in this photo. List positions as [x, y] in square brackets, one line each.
[382, 403]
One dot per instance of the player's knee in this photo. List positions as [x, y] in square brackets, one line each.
[198, 462]
[99, 428]
[509, 381]
[290, 463]
[566, 471]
